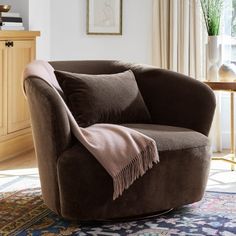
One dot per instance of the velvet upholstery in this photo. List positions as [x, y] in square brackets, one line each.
[76, 186]
[183, 153]
[113, 98]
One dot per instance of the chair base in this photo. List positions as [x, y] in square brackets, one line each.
[127, 219]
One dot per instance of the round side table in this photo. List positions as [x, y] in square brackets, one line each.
[231, 88]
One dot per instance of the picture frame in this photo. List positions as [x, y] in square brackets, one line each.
[104, 17]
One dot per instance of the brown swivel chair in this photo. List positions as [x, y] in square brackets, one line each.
[75, 185]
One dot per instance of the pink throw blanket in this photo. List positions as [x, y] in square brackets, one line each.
[124, 153]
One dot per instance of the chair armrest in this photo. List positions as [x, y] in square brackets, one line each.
[50, 124]
[175, 99]
[52, 135]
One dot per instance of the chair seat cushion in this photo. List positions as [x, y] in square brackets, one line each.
[179, 178]
[170, 138]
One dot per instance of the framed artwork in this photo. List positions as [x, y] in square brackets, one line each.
[104, 17]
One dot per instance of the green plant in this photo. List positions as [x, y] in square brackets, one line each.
[212, 10]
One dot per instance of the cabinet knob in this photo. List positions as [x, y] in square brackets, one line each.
[9, 44]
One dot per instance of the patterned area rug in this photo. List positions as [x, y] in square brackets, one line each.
[22, 212]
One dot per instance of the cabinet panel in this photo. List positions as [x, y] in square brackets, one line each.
[19, 56]
[15, 132]
[3, 90]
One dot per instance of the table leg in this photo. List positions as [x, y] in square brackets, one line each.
[232, 128]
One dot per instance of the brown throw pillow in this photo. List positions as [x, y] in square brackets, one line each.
[109, 98]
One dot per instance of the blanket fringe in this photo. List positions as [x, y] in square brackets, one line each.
[136, 168]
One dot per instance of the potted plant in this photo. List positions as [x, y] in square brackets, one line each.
[212, 11]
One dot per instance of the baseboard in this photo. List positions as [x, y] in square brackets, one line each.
[15, 146]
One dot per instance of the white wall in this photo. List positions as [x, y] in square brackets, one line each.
[39, 19]
[70, 41]
[63, 30]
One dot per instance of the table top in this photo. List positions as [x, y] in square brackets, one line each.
[223, 86]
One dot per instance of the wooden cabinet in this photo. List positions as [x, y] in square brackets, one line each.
[19, 55]
[3, 89]
[17, 49]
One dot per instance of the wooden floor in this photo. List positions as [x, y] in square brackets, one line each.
[23, 161]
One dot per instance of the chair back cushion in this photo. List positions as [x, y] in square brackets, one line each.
[104, 98]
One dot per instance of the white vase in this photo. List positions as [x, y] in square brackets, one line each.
[213, 57]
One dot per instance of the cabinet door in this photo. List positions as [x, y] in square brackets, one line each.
[3, 89]
[19, 56]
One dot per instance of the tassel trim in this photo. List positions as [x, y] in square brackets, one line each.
[136, 168]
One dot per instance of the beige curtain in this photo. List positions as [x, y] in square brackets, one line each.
[179, 39]
[177, 36]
